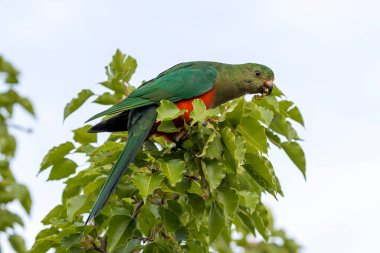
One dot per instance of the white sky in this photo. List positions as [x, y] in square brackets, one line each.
[325, 55]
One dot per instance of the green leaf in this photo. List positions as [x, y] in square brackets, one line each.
[168, 127]
[147, 183]
[172, 169]
[77, 102]
[107, 99]
[9, 219]
[295, 115]
[215, 172]
[229, 198]
[54, 213]
[261, 221]
[24, 102]
[262, 171]
[169, 219]
[213, 147]
[77, 205]
[249, 199]
[280, 125]
[234, 113]
[146, 221]
[82, 136]
[216, 222]
[119, 72]
[120, 230]
[197, 204]
[234, 148]
[55, 155]
[200, 113]
[254, 134]
[247, 221]
[63, 169]
[296, 154]
[168, 111]
[17, 243]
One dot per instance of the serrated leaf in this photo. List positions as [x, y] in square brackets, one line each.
[261, 221]
[108, 99]
[254, 134]
[17, 243]
[247, 221]
[249, 199]
[56, 154]
[146, 221]
[213, 147]
[215, 172]
[82, 136]
[77, 102]
[77, 205]
[296, 154]
[229, 198]
[262, 171]
[54, 213]
[216, 222]
[120, 230]
[234, 113]
[169, 219]
[147, 183]
[173, 170]
[168, 111]
[200, 113]
[63, 169]
[234, 148]
[168, 127]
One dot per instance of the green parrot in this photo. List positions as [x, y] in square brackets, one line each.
[214, 83]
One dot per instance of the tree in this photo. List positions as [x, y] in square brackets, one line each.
[189, 199]
[10, 189]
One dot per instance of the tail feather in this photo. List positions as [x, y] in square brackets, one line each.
[143, 120]
[117, 123]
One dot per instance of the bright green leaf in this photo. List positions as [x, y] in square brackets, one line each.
[216, 222]
[200, 113]
[17, 243]
[118, 231]
[107, 99]
[168, 111]
[77, 205]
[56, 154]
[77, 102]
[296, 154]
[63, 169]
[173, 170]
[147, 183]
[254, 134]
[215, 172]
[82, 136]
[229, 198]
[168, 127]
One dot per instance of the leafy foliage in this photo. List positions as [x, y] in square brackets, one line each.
[176, 199]
[10, 189]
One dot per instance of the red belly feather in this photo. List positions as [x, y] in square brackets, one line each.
[207, 98]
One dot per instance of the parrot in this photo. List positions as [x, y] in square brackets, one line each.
[213, 82]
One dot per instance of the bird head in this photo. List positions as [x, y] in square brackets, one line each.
[259, 79]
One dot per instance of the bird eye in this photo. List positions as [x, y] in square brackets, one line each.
[257, 73]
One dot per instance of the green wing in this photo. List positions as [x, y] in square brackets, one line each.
[183, 81]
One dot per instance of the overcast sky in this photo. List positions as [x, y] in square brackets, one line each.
[325, 55]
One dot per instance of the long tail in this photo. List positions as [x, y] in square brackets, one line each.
[117, 123]
[140, 122]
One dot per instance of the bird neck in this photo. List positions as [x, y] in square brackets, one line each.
[229, 83]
